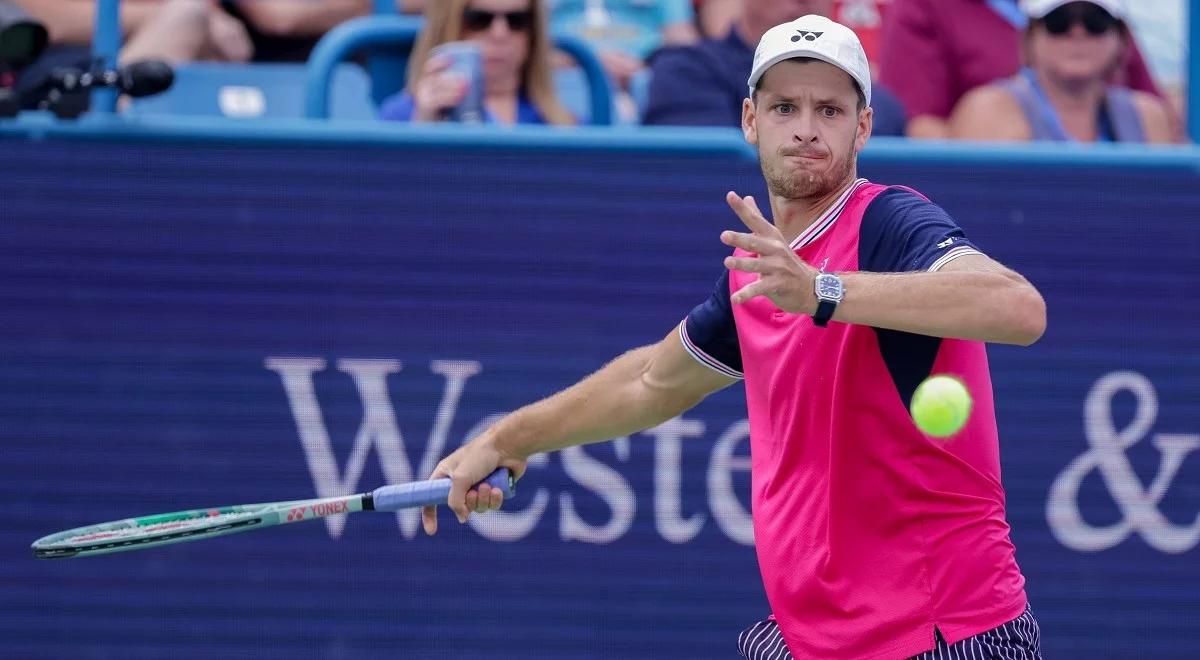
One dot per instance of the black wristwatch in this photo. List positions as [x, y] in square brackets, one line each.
[830, 292]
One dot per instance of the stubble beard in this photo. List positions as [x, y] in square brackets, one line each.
[803, 184]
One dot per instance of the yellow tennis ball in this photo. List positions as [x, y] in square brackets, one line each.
[941, 406]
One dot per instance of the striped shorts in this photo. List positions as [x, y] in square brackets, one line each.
[1019, 639]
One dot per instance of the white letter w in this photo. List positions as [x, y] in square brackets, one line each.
[378, 429]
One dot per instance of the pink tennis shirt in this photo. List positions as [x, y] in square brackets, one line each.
[869, 534]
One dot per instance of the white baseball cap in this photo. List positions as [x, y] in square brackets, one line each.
[817, 37]
[1037, 9]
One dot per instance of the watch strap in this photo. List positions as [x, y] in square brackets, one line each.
[824, 312]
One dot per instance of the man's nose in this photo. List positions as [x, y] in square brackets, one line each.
[804, 128]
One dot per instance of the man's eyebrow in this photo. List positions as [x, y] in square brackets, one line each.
[773, 97]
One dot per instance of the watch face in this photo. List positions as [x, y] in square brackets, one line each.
[829, 287]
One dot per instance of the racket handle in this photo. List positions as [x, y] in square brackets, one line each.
[434, 491]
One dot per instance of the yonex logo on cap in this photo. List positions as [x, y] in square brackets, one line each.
[812, 37]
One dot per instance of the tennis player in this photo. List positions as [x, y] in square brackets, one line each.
[874, 540]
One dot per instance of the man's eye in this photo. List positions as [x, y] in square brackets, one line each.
[784, 108]
[830, 111]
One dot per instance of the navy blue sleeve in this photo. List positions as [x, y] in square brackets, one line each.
[709, 334]
[902, 232]
[686, 89]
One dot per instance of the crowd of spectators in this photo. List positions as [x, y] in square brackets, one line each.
[971, 69]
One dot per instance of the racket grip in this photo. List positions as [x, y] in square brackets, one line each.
[433, 491]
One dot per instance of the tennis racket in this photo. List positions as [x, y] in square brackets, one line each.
[199, 524]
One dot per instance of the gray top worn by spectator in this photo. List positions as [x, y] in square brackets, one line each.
[1118, 122]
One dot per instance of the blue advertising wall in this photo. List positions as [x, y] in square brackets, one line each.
[254, 317]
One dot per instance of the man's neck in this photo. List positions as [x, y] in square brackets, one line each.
[794, 216]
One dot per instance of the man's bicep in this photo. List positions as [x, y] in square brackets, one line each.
[702, 354]
[980, 262]
[675, 368]
[976, 261]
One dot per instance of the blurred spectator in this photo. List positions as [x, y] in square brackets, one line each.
[1072, 48]
[865, 17]
[703, 85]
[287, 30]
[715, 17]
[624, 32]
[173, 30]
[518, 85]
[935, 51]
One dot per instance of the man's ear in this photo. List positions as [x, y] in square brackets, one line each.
[866, 123]
[749, 129]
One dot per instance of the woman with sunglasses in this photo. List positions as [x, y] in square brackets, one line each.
[512, 39]
[1071, 49]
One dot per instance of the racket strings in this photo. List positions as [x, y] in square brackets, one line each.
[199, 521]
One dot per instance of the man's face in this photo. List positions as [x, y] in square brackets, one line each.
[807, 127]
[774, 12]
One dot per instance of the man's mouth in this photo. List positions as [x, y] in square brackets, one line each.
[804, 155]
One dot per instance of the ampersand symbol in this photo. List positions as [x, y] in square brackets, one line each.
[1138, 505]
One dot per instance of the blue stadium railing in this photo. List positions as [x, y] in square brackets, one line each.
[106, 42]
[652, 140]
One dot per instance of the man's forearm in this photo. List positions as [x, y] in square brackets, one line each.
[985, 305]
[617, 400]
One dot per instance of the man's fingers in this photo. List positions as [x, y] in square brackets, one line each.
[482, 498]
[457, 500]
[745, 264]
[753, 203]
[429, 519]
[429, 513]
[749, 242]
[768, 228]
[496, 499]
[752, 290]
[750, 215]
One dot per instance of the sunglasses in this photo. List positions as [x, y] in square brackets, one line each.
[478, 20]
[1094, 19]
